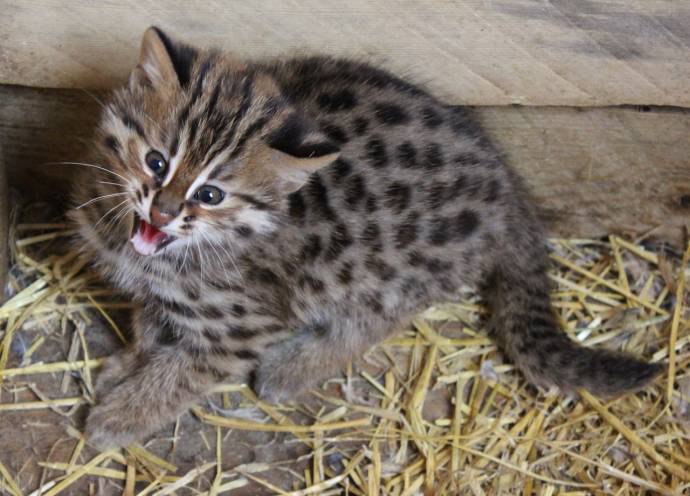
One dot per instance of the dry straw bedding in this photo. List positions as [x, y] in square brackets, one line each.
[433, 410]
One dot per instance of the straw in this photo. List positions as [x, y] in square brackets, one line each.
[433, 410]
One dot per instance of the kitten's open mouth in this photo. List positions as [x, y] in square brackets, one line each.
[147, 239]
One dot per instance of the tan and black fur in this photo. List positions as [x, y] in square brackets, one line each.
[353, 200]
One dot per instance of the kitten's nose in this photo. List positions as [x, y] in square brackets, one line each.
[160, 218]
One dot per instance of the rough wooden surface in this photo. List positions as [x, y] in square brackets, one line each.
[4, 227]
[594, 171]
[533, 52]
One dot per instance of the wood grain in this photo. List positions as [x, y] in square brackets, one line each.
[560, 52]
[594, 171]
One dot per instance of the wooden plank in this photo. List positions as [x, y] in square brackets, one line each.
[597, 171]
[594, 171]
[4, 228]
[560, 52]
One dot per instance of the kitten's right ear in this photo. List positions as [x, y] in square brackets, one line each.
[162, 61]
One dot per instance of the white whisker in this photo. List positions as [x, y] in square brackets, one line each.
[215, 252]
[121, 214]
[102, 197]
[113, 184]
[184, 259]
[201, 263]
[105, 214]
[87, 165]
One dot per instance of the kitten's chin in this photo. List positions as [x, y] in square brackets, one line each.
[147, 239]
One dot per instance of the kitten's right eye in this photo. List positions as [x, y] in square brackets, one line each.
[156, 162]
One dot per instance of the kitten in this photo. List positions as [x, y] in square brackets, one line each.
[276, 219]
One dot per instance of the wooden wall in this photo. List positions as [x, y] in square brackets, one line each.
[480, 52]
[594, 170]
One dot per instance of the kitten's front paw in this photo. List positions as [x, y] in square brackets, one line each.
[114, 372]
[107, 428]
[270, 384]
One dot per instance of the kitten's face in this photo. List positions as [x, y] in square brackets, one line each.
[206, 150]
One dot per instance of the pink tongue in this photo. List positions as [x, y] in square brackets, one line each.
[146, 239]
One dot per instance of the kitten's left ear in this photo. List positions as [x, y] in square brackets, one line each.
[162, 61]
[296, 150]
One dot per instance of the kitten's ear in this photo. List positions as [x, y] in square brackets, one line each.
[162, 61]
[296, 150]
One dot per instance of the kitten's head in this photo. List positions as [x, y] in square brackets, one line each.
[208, 147]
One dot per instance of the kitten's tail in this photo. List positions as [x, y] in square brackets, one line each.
[523, 324]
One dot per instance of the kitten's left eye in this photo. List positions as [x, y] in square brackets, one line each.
[210, 195]
[156, 162]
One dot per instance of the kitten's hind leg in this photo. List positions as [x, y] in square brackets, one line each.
[315, 353]
[157, 387]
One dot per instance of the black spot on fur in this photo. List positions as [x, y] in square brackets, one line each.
[245, 354]
[138, 195]
[264, 275]
[297, 208]
[371, 204]
[167, 335]
[397, 196]
[355, 191]
[133, 124]
[440, 231]
[360, 125]
[466, 158]
[211, 312]
[493, 191]
[415, 259]
[371, 236]
[239, 332]
[335, 133]
[319, 329]
[459, 186]
[111, 142]
[446, 284]
[340, 239]
[437, 195]
[431, 118]
[433, 156]
[466, 223]
[460, 121]
[474, 186]
[243, 231]
[345, 273]
[435, 265]
[390, 114]
[407, 155]
[380, 268]
[211, 335]
[311, 249]
[253, 201]
[376, 152]
[343, 99]
[406, 232]
[341, 168]
[180, 309]
[318, 193]
[372, 301]
[308, 281]
[191, 290]
[412, 287]
[238, 310]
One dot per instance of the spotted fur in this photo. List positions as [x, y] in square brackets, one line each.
[353, 200]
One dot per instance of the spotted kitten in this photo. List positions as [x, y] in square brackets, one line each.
[276, 219]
